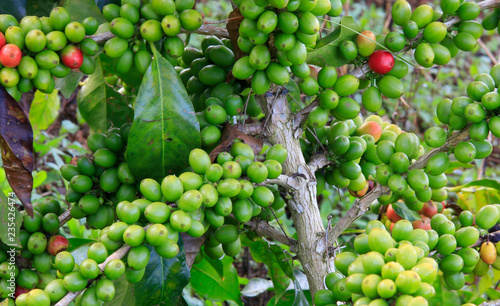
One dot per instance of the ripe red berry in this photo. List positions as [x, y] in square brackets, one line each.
[381, 62]
[2, 40]
[72, 57]
[56, 244]
[10, 55]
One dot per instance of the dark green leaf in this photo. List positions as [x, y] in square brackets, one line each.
[100, 105]
[81, 9]
[75, 243]
[39, 8]
[16, 142]
[132, 78]
[327, 51]
[279, 278]
[15, 8]
[164, 279]
[207, 282]
[101, 3]
[165, 127]
[283, 260]
[289, 298]
[44, 110]
[403, 211]
[124, 293]
[11, 220]
[456, 164]
[494, 184]
[69, 83]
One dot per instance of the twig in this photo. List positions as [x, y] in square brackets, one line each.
[204, 30]
[487, 51]
[65, 217]
[301, 116]
[118, 254]
[209, 30]
[263, 229]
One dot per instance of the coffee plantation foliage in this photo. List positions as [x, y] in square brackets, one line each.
[178, 154]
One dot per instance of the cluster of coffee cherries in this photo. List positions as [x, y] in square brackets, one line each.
[35, 50]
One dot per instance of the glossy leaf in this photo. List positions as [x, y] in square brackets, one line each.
[81, 9]
[44, 110]
[75, 243]
[10, 221]
[124, 293]
[165, 127]
[69, 83]
[39, 7]
[206, 281]
[402, 210]
[327, 51]
[101, 3]
[488, 183]
[164, 279]
[15, 8]
[16, 142]
[100, 105]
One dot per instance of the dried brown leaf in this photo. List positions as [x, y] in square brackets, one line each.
[229, 134]
[16, 142]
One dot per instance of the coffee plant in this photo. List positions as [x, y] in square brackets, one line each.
[200, 146]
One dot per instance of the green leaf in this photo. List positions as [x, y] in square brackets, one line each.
[456, 164]
[44, 110]
[39, 7]
[75, 243]
[327, 51]
[81, 9]
[163, 280]
[279, 278]
[165, 127]
[290, 298]
[100, 105]
[16, 8]
[283, 260]
[207, 282]
[493, 184]
[124, 293]
[11, 220]
[69, 83]
[403, 211]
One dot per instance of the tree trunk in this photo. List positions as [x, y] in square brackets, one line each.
[303, 204]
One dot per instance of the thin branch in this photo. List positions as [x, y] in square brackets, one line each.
[209, 30]
[484, 238]
[301, 116]
[118, 254]
[65, 217]
[363, 204]
[101, 37]
[204, 30]
[487, 51]
[263, 229]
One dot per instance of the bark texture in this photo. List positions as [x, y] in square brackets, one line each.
[303, 205]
